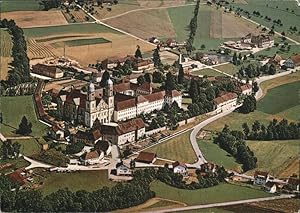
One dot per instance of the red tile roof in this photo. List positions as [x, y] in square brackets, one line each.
[145, 157]
[16, 177]
[260, 173]
[294, 181]
[124, 102]
[246, 87]
[177, 163]
[123, 128]
[173, 93]
[296, 59]
[155, 96]
[226, 97]
[90, 155]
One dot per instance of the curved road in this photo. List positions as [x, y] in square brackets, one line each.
[198, 127]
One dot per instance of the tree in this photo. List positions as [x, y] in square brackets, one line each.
[104, 78]
[234, 59]
[24, 127]
[202, 47]
[180, 75]
[156, 58]
[141, 80]
[170, 82]
[49, 4]
[46, 99]
[138, 53]
[246, 129]
[272, 69]
[148, 77]
[249, 104]
[255, 87]
[158, 77]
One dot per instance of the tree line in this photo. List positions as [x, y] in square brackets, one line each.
[20, 70]
[233, 143]
[282, 130]
[193, 28]
[252, 70]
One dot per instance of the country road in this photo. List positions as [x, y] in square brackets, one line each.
[213, 205]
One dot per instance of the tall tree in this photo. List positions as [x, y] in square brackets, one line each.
[156, 58]
[138, 53]
[170, 82]
[180, 75]
[104, 78]
[24, 127]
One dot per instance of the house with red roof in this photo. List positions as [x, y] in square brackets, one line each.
[225, 102]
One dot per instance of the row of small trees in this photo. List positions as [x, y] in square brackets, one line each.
[254, 70]
[20, 71]
[193, 28]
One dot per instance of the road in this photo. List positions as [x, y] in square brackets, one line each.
[213, 205]
[35, 164]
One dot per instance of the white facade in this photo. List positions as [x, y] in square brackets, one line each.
[93, 161]
[260, 180]
[123, 170]
[226, 105]
[180, 170]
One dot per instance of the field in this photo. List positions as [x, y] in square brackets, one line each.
[5, 53]
[27, 19]
[29, 147]
[13, 109]
[178, 149]
[208, 72]
[76, 16]
[214, 154]
[82, 42]
[268, 8]
[19, 5]
[227, 68]
[276, 156]
[220, 193]
[269, 52]
[277, 99]
[48, 41]
[82, 180]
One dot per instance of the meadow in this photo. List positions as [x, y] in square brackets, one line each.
[82, 42]
[19, 5]
[270, 52]
[207, 71]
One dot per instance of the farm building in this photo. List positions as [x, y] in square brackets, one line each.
[292, 62]
[225, 102]
[47, 70]
[260, 40]
[179, 168]
[91, 137]
[261, 178]
[146, 157]
[90, 158]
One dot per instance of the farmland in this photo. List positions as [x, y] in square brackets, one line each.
[19, 5]
[5, 51]
[178, 148]
[11, 119]
[216, 194]
[208, 72]
[76, 16]
[82, 42]
[269, 52]
[27, 19]
[280, 153]
[287, 11]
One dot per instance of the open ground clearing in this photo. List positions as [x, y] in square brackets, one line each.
[220, 193]
[19, 5]
[13, 109]
[36, 18]
[48, 41]
[275, 156]
[145, 23]
[81, 180]
[177, 149]
[268, 8]
[208, 72]
[214, 154]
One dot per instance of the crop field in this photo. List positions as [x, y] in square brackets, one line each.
[277, 99]
[5, 53]
[19, 5]
[13, 112]
[27, 19]
[214, 154]
[178, 148]
[216, 194]
[82, 42]
[208, 72]
[286, 11]
[76, 16]
[37, 50]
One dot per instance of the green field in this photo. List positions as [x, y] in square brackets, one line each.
[268, 8]
[228, 68]
[214, 154]
[208, 72]
[269, 52]
[82, 180]
[19, 5]
[178, 149]
[13, 109]
[277, 99]
[82, 42]
[67, 29]
[275, 156]
[219, 193]
[29, 147]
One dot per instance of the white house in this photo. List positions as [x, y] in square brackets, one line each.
[173, 96]
[123, 170]
[225, 102]
[261, 178]
[270, 187]
[246, 89]
[179, 168]
[91, 158]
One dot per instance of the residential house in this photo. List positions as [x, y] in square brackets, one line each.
[208, 167]
[56, 132]
[90, 158]
[123, 170]
[179, 168]
[292, 62]
[173, 96]
[276, 59]
[88, 137]
[261, 40]
[47, 70]
[140, 64]
[171, 42]
[225, 102]
[294, 184]
[246, 89]
[270, 187]
[261, 178]
[146, 157]
[17, 177]
[125, 132]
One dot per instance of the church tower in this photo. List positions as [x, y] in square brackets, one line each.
[90, 106]
[109, 95]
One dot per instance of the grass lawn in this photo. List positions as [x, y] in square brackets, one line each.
[16, 164]
[19, 5]
[13, 109]
[208, 72]
[269, 52]
[82, 180]
[275, 156]
[82, 42]
[230, 69]
[277, 100]
[29, 147]
[178, 148]
[67, 29]
[213, 153]
[220, 193]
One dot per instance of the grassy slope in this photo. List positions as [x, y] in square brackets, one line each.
[208, 72]
[277, 99]
[220, 193]
[29, 147]
[287, 17]
[82, 42]
[214, 154]
[67, 29]
[19, 5]
[274, 156]
[83, 180]
[269, 52]
[13, 109]
[178, 148]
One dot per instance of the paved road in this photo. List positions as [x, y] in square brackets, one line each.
[36, 164]
[222, 204]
